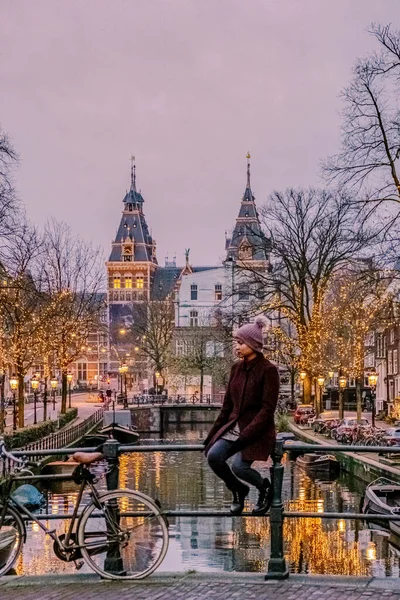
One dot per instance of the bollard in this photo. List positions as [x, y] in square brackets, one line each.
[113, 561]
[277, 568]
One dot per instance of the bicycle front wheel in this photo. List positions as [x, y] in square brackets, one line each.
[124, 536]
[12, 535]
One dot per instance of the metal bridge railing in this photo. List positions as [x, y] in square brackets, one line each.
[277, 566]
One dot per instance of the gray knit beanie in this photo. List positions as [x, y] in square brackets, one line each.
[252, 333]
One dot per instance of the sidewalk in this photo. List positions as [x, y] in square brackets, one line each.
[199, 586]
[85, 409]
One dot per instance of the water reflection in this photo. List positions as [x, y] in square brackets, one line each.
[184, 481]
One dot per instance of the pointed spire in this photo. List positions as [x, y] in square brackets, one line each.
[248, 156]
[133, 174]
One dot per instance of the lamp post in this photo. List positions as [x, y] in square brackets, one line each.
[54, 384]
[35, 385]
[342, 387]
[120, 371]
[124, 370]
[320, 381]
[303, 375]
[329, 401]
[372, 381]
[14, 387]
[69, 379]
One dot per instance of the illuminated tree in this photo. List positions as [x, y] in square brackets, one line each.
[356, 303]
[72, 278]
[309, 235]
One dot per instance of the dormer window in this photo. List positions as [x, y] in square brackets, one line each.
[245, 251]
[193, 291]
[130, 207]
[127, 252]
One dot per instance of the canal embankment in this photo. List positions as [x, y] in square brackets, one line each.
[365, 467]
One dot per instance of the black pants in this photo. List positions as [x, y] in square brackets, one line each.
[241, 469]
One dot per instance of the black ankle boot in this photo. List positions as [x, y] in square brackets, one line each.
[239, 496]
[264, 498]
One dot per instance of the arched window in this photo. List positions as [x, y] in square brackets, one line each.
[128, 281]
[116, 282]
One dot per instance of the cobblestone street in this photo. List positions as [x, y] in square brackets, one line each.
[199, 587]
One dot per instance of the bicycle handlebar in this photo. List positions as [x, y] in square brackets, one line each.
[4, 453]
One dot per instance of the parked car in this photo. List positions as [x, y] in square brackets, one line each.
[392, 436]
[347, 425]
[303, 413]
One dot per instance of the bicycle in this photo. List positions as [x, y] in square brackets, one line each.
[119, 534]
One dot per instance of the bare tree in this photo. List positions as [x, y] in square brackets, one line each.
[310, 235]
[8, 159]
[72, 277]
[370, 149]
[153, 326]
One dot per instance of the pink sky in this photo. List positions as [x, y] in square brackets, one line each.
[188, 87]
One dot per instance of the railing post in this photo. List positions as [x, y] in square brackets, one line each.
[277, 568]
[113, 561]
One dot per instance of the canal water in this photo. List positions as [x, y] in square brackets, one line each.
[182, 480]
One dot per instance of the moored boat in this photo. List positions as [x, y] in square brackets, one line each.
[321, 463]
[382, 497]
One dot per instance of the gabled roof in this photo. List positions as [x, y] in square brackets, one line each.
[165, 279]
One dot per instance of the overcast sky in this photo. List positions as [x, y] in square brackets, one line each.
[188, 87]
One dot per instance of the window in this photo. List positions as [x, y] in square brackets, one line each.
[180, 348]
[379, 346]
[82, 371]
[194, 318]
[128, 282]
[391, 336]
[117, 283]
[390, 362]
[243, 291]
[218, 291]
[395, 362]
[391, 390]
[139, 281]
[193, 291]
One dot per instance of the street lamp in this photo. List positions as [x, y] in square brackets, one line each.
[54, 384]
[69, 379]
[320, 381]
[14, 386]
[35, 385]
[342, 387]
[373, 380]
[124, 370]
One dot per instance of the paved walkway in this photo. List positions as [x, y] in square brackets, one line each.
[205, 586]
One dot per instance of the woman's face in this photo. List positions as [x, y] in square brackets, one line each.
[242, 350]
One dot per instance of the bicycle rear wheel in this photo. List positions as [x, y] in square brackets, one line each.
[125, 537]
[12, 535]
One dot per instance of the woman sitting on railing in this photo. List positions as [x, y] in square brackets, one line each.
[245, 427]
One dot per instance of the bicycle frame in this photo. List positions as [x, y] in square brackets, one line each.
[63, 545]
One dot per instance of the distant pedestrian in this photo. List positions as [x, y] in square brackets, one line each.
[245, 428]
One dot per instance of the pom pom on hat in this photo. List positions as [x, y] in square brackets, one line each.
[261, 321]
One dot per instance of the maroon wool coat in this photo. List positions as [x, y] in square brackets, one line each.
[250, 400]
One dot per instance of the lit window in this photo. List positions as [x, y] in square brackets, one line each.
[128, 282]
[117, 283]
[139, 282]
[218, 291]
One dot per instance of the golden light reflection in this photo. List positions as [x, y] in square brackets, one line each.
[341, 525]
[370, 552]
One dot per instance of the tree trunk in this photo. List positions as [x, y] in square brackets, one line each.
[2, 402]
[20, 399]
[307, 390]
[201, 383]
[64, 391]
[45, 399]
[292, 386]
[341, 403]
[358, 398]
